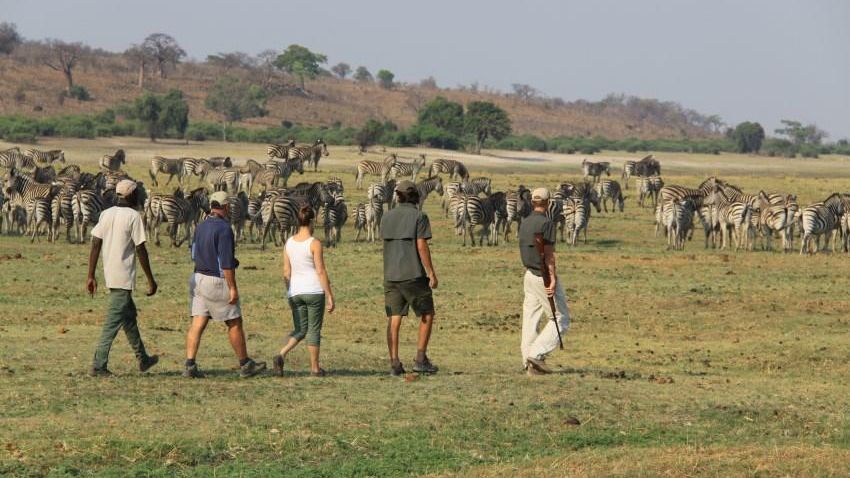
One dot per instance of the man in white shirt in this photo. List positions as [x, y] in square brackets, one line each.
[120, 235]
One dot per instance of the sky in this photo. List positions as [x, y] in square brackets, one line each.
[754, 60]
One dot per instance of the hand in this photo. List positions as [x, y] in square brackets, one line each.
[550, 291]
[432, 281]
[91, 286]
[234, 296]
[152, 288]
[329, 305]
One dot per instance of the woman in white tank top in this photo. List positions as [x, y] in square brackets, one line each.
[308, 290]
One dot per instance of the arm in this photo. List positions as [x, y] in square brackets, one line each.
[230, 279]
[91, 282]
[319, 260]
[549, 259]
[287, 268]
[142, 252]
[425, 256]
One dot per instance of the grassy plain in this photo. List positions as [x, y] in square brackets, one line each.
[693, 363]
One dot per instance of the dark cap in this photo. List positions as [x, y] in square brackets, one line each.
[405, 187]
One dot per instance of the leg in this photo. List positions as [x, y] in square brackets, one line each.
[547, 341]
[193, 337]
[315, 304]
[236, 335]
[113, 323]
[131, 329]
[532, 310]
[299, 322]
[393, 328]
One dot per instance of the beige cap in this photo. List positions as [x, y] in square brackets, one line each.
[219, 197]
[405, 186]
[125, 187]
[540, 194]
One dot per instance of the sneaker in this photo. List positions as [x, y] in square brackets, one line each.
[532, 372]
[424, 366]
[251, 368]
[538, 364]
[277, 364]
[99, 372]
[148, 362]
[320, 373]
[397, 369]
[192, 371]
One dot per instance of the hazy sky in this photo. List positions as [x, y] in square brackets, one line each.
[744, 60]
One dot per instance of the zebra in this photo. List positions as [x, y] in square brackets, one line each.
[426, 186]
[223, 179]
[449, 166]
[171, 167]
[62, 209]
[13, 158]
[649, 187]
[280, 150]
[248, 175]
[821, 218]
[648, 166]
[177, 210]
[774, 218]
[279, 169]
[555, 213]
[44, 174]
[679, 223]
[86, 206]
[595, 170]
[194, 167]
[518, 207]
[309, 153]
[500, 211]
[407, 169]
[25, 188]
[730, 217]
[375, 168]
[382, 193]
[46, 157]
[39, 211]
[71, 170]
[476, 186]
[697, 196]
[576, 216]
[238, 214]
[113, 162]
[315, 194]
[609, 189]
[220, 161]
[282, 210]
[475, 211]
[254, 216]
[628, 172]
[334, 216]
[373, 213]
[451, 192]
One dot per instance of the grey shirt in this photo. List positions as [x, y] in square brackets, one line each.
[400, 228]
[536, 222]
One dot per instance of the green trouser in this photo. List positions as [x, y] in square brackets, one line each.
[121, 314]
[308, 310]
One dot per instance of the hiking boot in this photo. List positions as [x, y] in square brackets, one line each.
[424, 366]
[99, 372]
[192, 371]
[277, 364]
[148, 362]
[251, 368]
[320, 373]
[533, 372]
[538, 364]
[397, 370]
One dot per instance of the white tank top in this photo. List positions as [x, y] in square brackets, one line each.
[303, 278]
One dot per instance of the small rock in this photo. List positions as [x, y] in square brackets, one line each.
[572, 421]
[411, 377]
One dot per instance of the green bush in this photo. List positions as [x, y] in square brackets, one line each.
[79, 92]
[76, 127]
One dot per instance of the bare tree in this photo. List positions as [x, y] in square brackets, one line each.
[523, 91]
[265, 61]
[341, 69]
[232, 60]
[63, 57]
[138, 56]
[9, 37]
[165, 51]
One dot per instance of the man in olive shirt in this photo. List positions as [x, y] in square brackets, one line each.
[409, 275]
[535, 346]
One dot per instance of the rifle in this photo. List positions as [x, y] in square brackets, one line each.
[544, 271]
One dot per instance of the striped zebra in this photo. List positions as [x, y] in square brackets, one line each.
[382, 194]
[373, 213]
[280, 150]
[279, 170]
[334, 184]
[309, 154]
[22, 189]
[280, 210]
[819, 219]
[586, 191]
[427, 186]
[774, 218]
[39, 212]
[44, 174]
[649, 187]
[679, 223]
[62, 210]
[194, 167]
[254, 217]
[170, 166]
[628, 172]
[315, 194]
[220, 161]
[475, 211]
[476, 186]
[374, 168]
[697, 196]
[177, 210]
[71, 170]
[449, 166]
[334, 216]
[576, 216]
[13, 158]
[500, 211]
[731, 218]
[517, 206]
[45, 157]
[400, 169]
[648, 166]
[451, 191]
[248, 175]
[223, 180]
[238, 214]
[555, 213]
[113, 162]
[595, 170]
[86, 206]
[610, 189]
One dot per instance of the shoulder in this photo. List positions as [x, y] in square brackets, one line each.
[423, 217]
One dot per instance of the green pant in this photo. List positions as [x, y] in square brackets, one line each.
[308, 310]
[121, 314]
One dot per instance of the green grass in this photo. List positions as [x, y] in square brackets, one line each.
[693, 363]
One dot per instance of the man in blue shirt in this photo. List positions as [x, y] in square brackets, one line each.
[212, 288]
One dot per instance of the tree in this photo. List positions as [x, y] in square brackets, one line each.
[175, 113]
[369, 134]
[9, 37]
[429, 83]
[235, 100]
[385, 78]
[301, 62]
[232, 60]
[265, 61]
[485, 120]
[800, 135]
[137, 55]
[63, 57]
[523, 91]
[748, 137]
[164, 50]
[444, 114]
[362, 74]
[341, 70]
[147, 108]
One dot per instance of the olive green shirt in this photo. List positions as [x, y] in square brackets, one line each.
[535, 223]
[400, 228]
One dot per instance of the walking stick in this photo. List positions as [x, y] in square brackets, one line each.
[544, 271]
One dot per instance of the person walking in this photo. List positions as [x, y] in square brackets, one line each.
[409, 275]
[120, 236]
[213, 291]
[309, 291]
[536, 346]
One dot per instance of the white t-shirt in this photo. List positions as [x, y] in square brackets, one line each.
[303, 279]
[121, 230]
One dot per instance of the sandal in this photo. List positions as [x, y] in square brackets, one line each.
[320, 373]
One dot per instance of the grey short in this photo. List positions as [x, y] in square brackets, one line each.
[209, 296]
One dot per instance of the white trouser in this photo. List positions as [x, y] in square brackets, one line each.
[535, 307]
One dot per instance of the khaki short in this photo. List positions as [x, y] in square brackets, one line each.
[209, 296]
[401, 296]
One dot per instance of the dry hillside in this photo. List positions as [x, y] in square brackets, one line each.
[32, 89]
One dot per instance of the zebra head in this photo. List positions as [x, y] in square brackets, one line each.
[120, 157]
[199, 198]
[320, 143]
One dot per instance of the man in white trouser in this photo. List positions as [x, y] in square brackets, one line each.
[536, 345]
